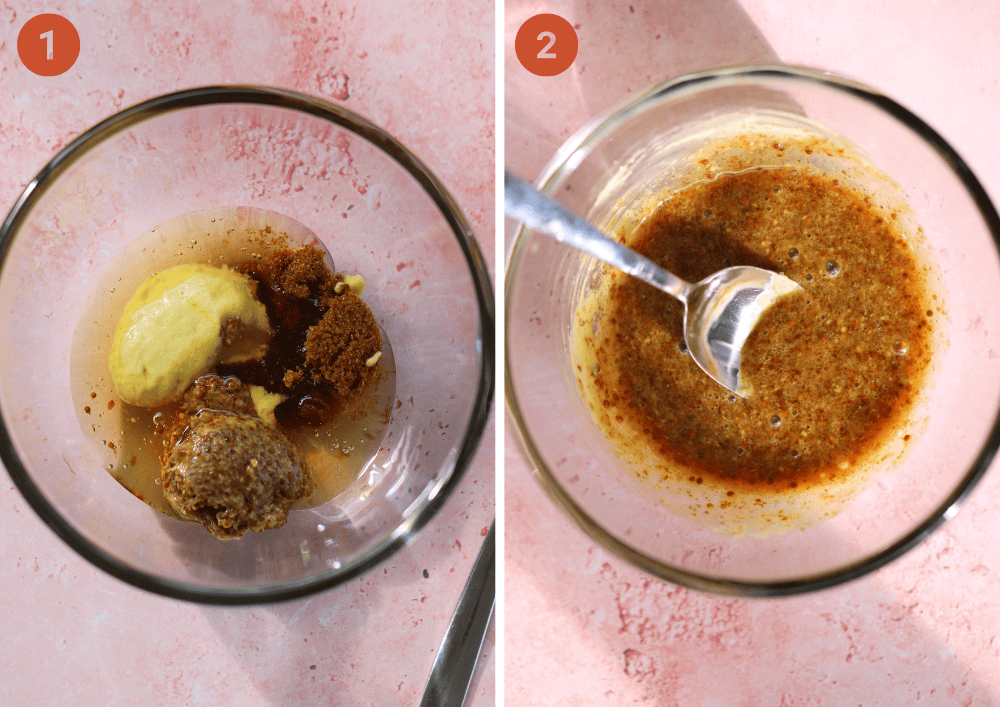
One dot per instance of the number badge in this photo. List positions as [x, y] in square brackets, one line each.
[48, 45]
[546, 45]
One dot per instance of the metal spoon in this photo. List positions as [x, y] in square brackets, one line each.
[456, 659]
[719, 312]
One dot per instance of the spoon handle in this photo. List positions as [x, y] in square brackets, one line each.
[541, 214]
[459, 652]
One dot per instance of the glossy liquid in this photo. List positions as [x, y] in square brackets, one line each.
[839, 371]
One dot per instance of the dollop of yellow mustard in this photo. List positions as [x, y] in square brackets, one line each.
[171, 330]
[265, 402]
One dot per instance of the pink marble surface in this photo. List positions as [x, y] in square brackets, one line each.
[582, 627]
[75, 636]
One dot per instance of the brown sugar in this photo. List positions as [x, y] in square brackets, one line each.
[300, 273]
[322, 341]
[339, 345]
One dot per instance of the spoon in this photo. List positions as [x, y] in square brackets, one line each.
[448, 682]
[719, 311]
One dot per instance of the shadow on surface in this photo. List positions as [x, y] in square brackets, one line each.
[623, 49]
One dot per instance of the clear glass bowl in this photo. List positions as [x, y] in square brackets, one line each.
[381, 213]
[611, 162]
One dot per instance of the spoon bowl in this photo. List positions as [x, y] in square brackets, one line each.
[720, 311]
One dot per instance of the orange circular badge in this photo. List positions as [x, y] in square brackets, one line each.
[48, 45]
[546, 45]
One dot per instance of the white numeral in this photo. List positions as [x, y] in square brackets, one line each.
[47, 36]
[544, 54]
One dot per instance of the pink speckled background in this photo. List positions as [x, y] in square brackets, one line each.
[73, 635]
[582, 627]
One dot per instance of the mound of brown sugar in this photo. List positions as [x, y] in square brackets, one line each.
[340, 344]
[325, 335]
[299, 274]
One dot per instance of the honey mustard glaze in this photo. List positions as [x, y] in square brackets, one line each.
[839, 371]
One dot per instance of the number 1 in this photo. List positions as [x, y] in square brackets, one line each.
[47, 36]
[544, 54]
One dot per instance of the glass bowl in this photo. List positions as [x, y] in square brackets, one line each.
[377, 209]
[609, 165]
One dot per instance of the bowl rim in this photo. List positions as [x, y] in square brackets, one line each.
[566, 158]
[340, 117]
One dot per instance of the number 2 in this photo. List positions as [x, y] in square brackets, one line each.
[47, 36]
[544, 54]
